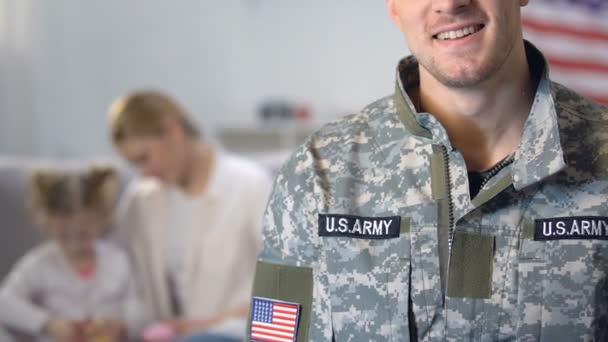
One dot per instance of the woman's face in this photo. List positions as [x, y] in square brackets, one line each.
[160, 156]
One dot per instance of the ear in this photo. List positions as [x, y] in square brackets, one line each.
[392, 11]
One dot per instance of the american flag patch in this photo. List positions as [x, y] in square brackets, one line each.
[273, 320]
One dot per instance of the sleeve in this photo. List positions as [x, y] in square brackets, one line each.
[128, 224]
[289, 222]
[291, 266]
[135, 317]
[18, 290]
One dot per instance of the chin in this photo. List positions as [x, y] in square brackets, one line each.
[471, 75]
[467, 81]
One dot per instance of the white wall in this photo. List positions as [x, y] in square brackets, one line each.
[16, 104]
[67, 59]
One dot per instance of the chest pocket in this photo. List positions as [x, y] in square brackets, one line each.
[562, 290]
[369, 284]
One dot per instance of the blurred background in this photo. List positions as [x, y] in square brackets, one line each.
[64, 61]
[258, 75]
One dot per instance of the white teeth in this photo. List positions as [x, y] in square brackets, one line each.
[457, 33]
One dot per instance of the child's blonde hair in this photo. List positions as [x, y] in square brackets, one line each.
[60, 192]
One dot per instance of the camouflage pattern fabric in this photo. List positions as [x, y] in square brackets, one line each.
[380, 163]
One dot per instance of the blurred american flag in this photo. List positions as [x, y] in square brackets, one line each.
[573, 35]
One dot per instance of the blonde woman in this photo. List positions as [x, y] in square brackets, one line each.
[72, 287]
[192, 223]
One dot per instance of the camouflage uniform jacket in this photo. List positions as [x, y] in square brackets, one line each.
[524, 260]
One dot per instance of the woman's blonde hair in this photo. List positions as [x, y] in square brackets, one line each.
[61, 192]
[142, 114]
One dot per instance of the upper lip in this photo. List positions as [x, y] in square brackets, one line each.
[455, 27]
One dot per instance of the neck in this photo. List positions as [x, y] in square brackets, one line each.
[82, 260]
[197, 169]
[485, 122]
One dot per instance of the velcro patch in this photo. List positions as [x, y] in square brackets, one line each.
[571, 228]
[359, 227]
[273, 320]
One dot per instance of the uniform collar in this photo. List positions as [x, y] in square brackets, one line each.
[539, 154]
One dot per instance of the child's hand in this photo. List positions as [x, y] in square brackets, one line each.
[61, 330]
[185, 326]
[104, 330]
[159, 332]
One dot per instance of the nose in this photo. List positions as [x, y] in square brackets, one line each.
[450, 6]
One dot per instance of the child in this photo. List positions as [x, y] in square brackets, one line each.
[73, 287]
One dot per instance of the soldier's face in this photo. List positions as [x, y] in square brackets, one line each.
[460, 43]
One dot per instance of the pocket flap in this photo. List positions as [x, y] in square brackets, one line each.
[471, 266]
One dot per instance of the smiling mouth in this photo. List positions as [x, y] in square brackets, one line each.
[460, 33]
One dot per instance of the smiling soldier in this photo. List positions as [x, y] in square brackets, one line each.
[486, 184]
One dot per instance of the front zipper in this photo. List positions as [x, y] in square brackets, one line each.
[448, 192]
[446, 163]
